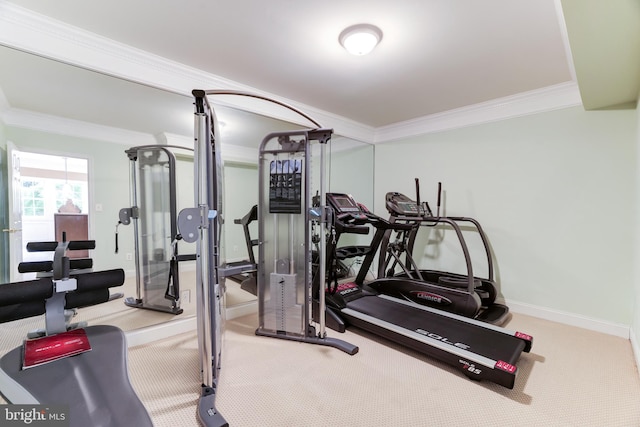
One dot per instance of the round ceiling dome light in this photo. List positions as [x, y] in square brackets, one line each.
[360, 39]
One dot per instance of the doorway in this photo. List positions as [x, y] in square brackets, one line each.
[4, 219]
[53, 197]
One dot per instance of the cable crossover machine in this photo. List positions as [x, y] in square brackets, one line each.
[153, 212]
[202, 225]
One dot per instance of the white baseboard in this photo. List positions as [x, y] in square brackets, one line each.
[160, 331]
[572, 319]
[240, 310]
[634, 347]
[577, 320]
[179, 326]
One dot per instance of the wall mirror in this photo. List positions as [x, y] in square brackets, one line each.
[60, 110]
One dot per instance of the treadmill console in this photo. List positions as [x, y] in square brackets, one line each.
[400, 205]
[343, 203]
[346, 208]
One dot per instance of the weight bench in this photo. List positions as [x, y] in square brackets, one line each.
[93, 384]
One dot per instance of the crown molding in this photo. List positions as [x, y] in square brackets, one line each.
[236, 154]
[28, 31]
[24, 119]
[230, 153]
[4, 104]
[38, 34]
[555, 97]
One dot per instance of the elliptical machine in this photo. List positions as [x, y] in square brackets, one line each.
[463, 294]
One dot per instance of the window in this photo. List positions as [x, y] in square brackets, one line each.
[73, 191]
[33, 198]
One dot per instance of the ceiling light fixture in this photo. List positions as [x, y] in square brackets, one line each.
[360, 39]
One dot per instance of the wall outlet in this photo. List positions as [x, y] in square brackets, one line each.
[129, 256]
[185, 296]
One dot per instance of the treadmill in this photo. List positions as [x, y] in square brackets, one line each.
[480, 350]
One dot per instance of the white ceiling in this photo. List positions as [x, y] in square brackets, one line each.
[435, 55]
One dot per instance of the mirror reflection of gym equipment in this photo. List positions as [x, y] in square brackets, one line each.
[248, 268]
[99, 368]
[153, 212]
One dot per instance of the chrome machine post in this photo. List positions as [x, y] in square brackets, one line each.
[134, 213]
[201, 224]
[323, 242]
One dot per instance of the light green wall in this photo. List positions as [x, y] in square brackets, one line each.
[351, 172]
[635, 326]
[555, 193]
[240, 194]
[3, 136]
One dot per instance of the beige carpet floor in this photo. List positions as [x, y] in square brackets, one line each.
[572, 377]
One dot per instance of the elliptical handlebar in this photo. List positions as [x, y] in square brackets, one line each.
[402, 209]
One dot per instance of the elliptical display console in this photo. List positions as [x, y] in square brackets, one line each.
[402, 205]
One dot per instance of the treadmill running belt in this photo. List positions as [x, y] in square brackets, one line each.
[481, 351]
[486, 342]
